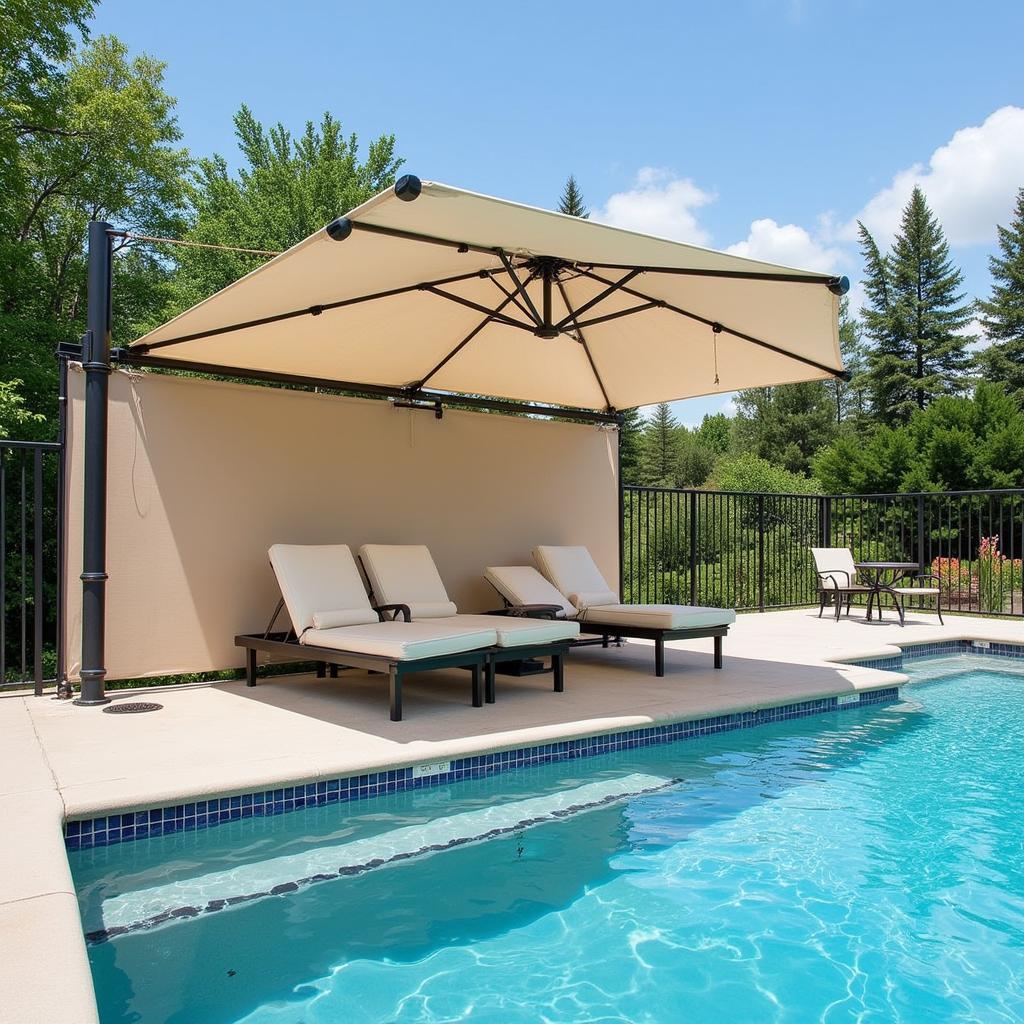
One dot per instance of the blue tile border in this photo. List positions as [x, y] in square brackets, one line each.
[896, 662]
[200, 814]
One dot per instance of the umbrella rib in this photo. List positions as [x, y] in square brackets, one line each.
[497, 284]
[831, 370]
[583, 342]
[613, 286]
[520, 286]
[622, 312]
[470, 304]
[462, 344]
[745, 275]
[305, 311]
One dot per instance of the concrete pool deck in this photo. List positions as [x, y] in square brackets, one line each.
[59, 762]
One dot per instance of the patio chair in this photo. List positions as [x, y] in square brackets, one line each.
[333, 623]
[901, 593]
[406, 573]
[837, 579]
[570, 582]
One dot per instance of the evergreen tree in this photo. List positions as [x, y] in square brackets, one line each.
[850, 396]
[1002, 316]
[786, 424]
[659, 455]
[630, 445]
[915, 316]
[571, 202]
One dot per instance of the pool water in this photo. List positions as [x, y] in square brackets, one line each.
[862, 866]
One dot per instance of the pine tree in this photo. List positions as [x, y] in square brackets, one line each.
[850, 396]
[1002, 316]
[659, 455]
[571, 202]
[915, 316]
[630, 445]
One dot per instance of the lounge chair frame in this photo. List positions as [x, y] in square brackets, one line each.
[612, 632]
[286, 644]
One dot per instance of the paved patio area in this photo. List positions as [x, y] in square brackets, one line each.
[58, 761]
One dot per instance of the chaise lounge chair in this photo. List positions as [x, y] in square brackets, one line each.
[570, 582]
[406, 574]
[334, 623]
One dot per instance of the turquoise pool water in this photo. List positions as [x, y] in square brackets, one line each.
[861, 866]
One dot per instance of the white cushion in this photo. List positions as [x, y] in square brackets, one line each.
[343, 617]
[572, 571]
[406, 574]
[926, 591]
[522, 584]
[402, 641]
[838, 561]
[514, 631]
[584, 601]
[313, 577]
[657, 616]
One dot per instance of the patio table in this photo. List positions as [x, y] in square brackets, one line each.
[882, 577]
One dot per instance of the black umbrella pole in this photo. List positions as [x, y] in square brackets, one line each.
[96, 363]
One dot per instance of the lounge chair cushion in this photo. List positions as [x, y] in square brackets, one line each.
[574, 572]
[518, 632]
[923, 591]
[402, 641]
[600, 597]
[657, 616]
[313, 577]
[342, 617]
[522, 584]
[406, 574]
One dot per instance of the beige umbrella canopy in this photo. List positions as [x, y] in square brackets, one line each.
[429, 289]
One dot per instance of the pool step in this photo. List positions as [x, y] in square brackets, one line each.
[219, 890]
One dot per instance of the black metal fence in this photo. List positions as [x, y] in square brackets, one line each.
[753, 551]
[30, 564]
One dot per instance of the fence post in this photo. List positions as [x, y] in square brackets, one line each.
[826, 521]
[693, 548]
[760, 552]
[920, 533]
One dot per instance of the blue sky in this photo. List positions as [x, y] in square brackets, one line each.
[768, 125]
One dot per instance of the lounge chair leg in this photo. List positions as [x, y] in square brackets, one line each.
[321, 670]
[478, 691]
[718, 652]
[250, 667]
[659, 656]
[557, 672]
[490, 690]
[604, 640]
[395, 693]
[333, 669]
[821, 605]
[938, 609]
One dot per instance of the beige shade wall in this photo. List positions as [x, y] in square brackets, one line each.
[204, 476]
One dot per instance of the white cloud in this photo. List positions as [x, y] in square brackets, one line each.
[729, 407]
[788, 244]
[659, 203]
[970, 182]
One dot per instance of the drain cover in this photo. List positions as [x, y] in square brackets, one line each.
[131, 708]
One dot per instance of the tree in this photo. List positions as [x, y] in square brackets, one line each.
[286, 189]
[748, 472]
[571, 202]
[850, 396]
[786, 424]
[630, 445]
[1002, 315]
[659, 454]
[915, 315]
[956, 443]
[107, 151]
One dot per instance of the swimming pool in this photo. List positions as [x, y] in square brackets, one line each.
[863, 865]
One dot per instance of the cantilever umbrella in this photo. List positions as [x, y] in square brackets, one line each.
[428, 290]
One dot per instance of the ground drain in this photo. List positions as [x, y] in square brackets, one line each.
[131, 708]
